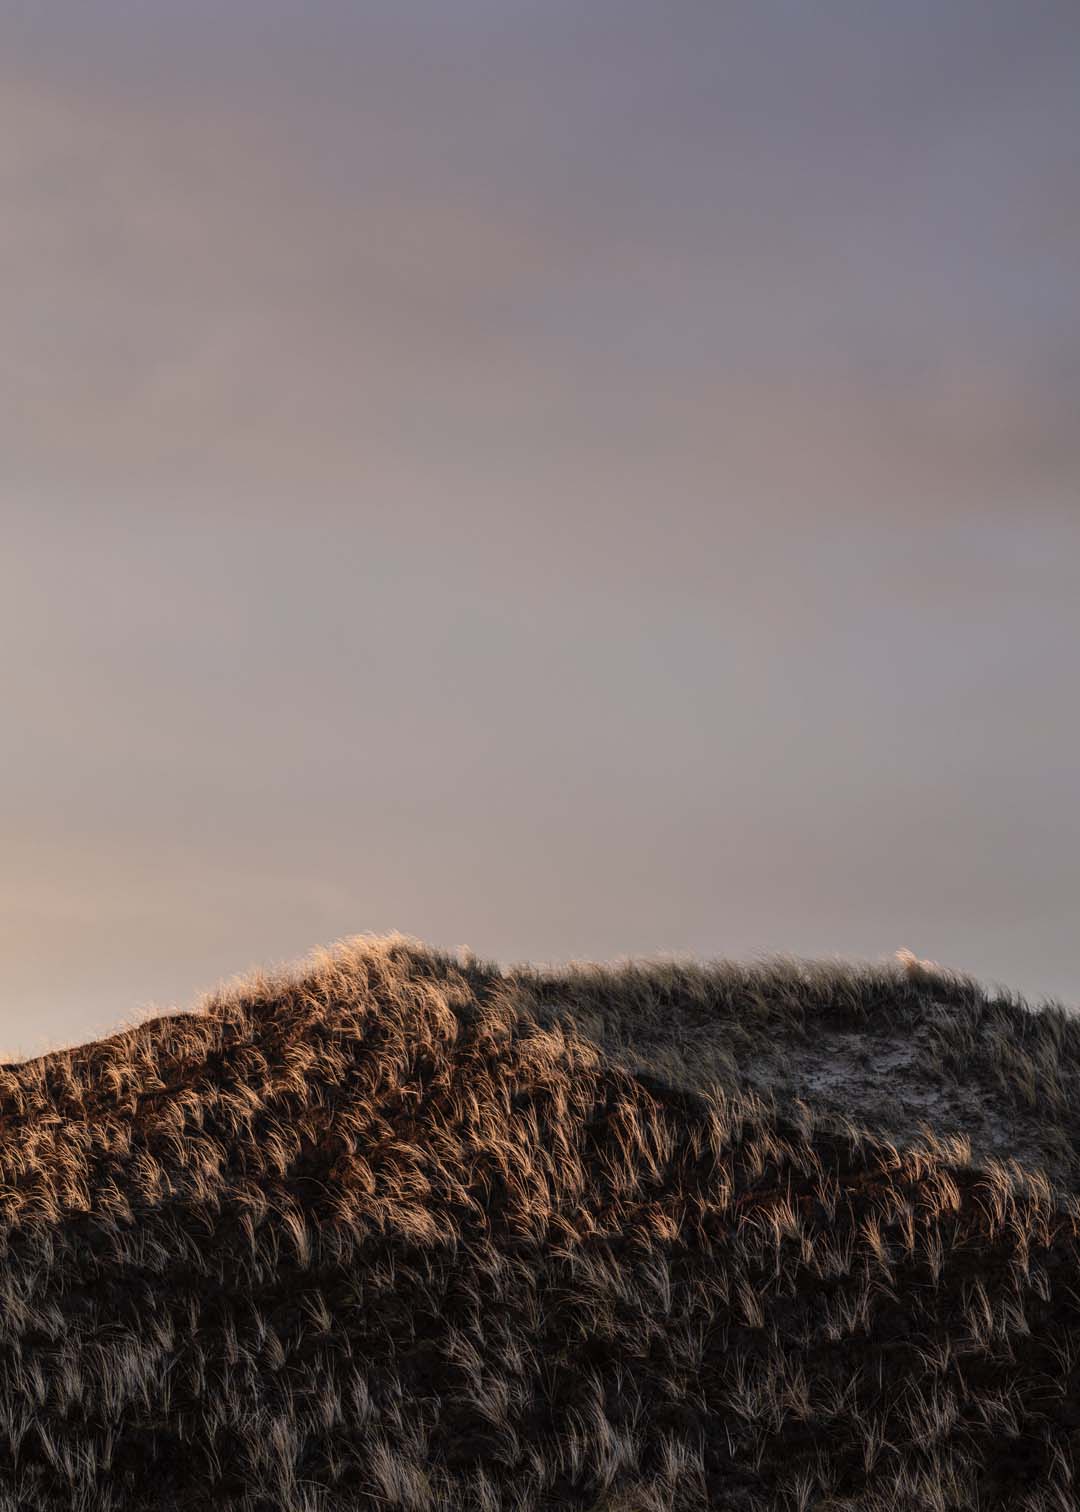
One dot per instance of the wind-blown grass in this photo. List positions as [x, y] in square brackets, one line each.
[399, 1230]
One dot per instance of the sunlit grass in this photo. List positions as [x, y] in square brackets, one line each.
[401, 1229]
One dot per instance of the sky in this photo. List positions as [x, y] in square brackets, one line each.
[575, 481]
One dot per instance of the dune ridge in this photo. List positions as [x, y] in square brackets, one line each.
[395, 1228]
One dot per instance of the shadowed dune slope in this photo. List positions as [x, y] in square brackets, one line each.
[397, 1230]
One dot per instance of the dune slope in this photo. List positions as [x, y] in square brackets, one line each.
[396, 1230]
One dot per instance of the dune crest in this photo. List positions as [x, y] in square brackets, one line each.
[398, 1228]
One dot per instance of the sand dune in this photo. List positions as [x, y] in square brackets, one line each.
[399, 1229]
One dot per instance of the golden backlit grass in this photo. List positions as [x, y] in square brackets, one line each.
[400, 1230]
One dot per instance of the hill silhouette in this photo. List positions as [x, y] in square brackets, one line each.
[399, 1229]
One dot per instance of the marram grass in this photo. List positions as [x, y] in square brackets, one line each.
[402, 1230]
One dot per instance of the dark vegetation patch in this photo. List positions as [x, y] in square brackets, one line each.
[400, 1232]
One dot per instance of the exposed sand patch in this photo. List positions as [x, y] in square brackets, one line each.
[890, 1085]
